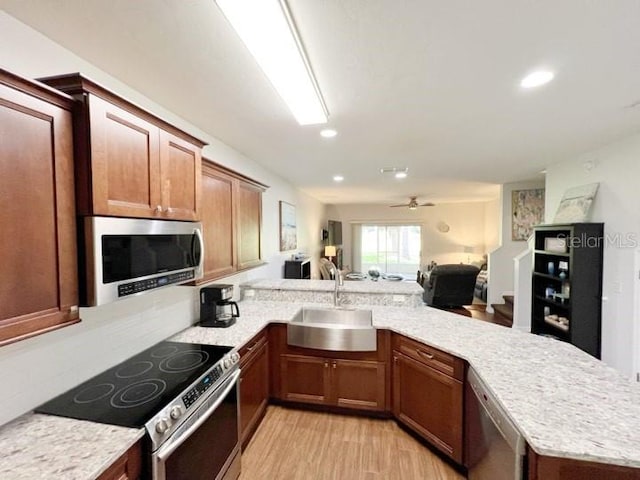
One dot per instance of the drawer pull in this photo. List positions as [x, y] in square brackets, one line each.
[424, 354]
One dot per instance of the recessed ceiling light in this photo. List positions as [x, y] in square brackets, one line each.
[537, 78]
[328, 133]
[401, 175]
[338, 178]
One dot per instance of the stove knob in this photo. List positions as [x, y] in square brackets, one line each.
[235, 358]
[226, 363]
[162, 425]
[175, 412]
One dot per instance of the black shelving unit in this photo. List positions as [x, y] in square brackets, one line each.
[567, 283]
[300, 269]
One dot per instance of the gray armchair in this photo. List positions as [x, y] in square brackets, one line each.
[450, 285]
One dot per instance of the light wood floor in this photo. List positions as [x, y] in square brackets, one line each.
[296, 444]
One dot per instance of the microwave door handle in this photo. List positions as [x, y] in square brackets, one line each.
[198, 233]
[173, 445]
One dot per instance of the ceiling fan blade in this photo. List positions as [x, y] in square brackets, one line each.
[428, 204]
[401, 205]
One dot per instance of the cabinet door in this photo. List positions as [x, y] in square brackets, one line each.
[38, 272]
[254, 391]
[127, 467]
[125, 167]
[249, 215]
[179, 178]
[358, 384]
[304, 379]
[430, 403]
[217, 222]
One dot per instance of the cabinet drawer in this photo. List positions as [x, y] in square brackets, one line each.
[252, 347]
[437, 359]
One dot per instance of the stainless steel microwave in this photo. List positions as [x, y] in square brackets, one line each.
[122, 257]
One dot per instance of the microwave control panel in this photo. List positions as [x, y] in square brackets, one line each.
[138, 286]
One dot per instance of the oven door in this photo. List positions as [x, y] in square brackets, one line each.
[207, 446]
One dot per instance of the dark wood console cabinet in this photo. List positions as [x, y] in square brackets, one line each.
[297, 269]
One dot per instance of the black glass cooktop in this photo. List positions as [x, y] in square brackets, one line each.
[132, 392]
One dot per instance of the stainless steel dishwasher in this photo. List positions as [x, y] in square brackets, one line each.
[495, 448]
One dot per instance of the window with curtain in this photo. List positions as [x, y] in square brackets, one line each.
[391, 248]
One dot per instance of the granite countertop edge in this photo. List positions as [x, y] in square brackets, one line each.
[424, 324]
[255, 319]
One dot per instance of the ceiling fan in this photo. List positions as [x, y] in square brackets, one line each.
[413, 204]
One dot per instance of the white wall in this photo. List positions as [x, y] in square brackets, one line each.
[501, 259]
[617, 204]
[467, 222]
[34, 370]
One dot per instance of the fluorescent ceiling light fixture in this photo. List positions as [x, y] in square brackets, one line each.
[537, 79]
[268, 31]
[328, 133]
[338, 178]
[401, 175]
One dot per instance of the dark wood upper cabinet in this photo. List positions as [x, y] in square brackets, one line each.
[130, 163]
[38, 271]
[249, 214]
[231, 209]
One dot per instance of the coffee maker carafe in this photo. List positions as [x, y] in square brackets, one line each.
[216, 310]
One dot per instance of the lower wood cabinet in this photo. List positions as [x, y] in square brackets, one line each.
[127, 467]
[554, 468]
[426, 399]
[353, 380]
[356, 384]
[254, 385]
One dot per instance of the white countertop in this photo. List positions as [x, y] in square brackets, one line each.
[350, 286]
[565, 402]
[47, 447]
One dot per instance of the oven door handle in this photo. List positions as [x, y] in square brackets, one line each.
[172, 445]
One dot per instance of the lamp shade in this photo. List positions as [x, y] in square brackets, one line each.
[330, 251]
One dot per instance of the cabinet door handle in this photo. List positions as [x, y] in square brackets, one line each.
[168, 210]
[326, 364]
[159, 209]
[424, 354]
[334, 365]
[395, 359]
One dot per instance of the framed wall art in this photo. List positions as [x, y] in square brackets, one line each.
[527, 211]
[288, 234]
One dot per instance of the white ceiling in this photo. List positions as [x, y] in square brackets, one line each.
[427, 84]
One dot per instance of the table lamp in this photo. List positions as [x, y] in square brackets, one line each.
[330, 251]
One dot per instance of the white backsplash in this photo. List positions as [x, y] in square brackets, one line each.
[35, 370]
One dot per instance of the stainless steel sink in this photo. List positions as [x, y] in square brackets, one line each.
[337, 329]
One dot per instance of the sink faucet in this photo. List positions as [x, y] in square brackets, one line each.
[339, 283]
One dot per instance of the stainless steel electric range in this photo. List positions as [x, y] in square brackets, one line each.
[185, 396]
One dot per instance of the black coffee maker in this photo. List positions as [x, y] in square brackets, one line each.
[216, 310]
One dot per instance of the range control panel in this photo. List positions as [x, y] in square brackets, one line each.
[138, 286]
[192, 395]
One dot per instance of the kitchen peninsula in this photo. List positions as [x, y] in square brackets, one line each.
[566, 403]
[364, 292]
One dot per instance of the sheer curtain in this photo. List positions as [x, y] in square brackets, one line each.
[393, 248]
